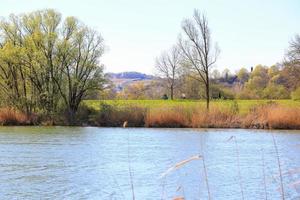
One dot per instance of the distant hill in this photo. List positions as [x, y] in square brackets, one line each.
[124, 79]
[130, 75]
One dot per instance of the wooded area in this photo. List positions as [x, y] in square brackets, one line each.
[48, 64]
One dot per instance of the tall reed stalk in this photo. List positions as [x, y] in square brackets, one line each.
[163, 188]
[279, 168]
[264, 174]
[239, 167]
[129, 167]
[205, 170]
[238, 164]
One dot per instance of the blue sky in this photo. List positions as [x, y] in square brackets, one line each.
[136, 31]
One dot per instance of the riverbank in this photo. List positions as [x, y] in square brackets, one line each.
[172, 114]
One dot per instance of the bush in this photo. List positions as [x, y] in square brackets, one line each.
[115, 116]
[275, 92]
[85, 115]
[296, 94]
[247, 94]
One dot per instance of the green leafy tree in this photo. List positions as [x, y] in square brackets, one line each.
[243, 75]
[46, 60]
[273, 91]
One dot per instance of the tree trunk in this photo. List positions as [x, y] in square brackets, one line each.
[207, 92]
[172, 92]
[72, 116]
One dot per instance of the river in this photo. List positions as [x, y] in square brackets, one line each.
[96, 163]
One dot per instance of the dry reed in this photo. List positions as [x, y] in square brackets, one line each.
[180, 164]
[205, 170]
[178, 198]
[10, 116]
[265, 116]
[264, 174]
[175, 116]
[279, 167]
[238, 164]
[129, 167]
[270, 116]
[214, 118]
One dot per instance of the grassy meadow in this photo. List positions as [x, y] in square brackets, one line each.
[244, 105]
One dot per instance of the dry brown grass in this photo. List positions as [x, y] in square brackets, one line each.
[195, 117]
[269, 116]
[264, 116]
[10, 116]
[214, 118]
[175, 116]
[284, 118]
[272, 117]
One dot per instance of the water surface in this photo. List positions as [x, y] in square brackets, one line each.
[93, 163]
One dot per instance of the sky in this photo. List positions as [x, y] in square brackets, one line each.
[137, 31]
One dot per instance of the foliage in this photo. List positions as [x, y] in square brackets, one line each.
[243, 75]
[45, 60]
[296, 94]
[273, 91]
[112, 115]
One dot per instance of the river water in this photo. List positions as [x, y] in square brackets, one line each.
[106, 163]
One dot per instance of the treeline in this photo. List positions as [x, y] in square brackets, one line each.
[48, 64]
[261, 82]
[187, 70]
[280, 81]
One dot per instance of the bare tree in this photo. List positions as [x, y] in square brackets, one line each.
[197, 49]
[293, 54]
[168, 65]
[291, 70]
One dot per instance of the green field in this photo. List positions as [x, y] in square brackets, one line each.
[244, 105]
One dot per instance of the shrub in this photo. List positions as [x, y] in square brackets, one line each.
[296, 94]
[247, 94]
[111, 115]
[275, 92]
[84, 115]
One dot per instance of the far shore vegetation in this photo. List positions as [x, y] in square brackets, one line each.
[257, 114]
[51, 74]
